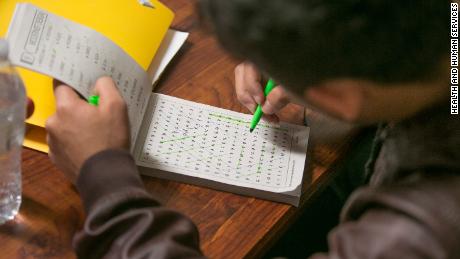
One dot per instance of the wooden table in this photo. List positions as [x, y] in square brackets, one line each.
[231, 226]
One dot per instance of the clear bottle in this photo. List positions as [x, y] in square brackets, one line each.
[12, 116]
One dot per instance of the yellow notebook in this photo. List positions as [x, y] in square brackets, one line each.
[137, 29]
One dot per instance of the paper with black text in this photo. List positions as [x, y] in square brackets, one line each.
[77, 56]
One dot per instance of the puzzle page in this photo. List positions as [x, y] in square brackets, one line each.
[77, 56]
[212, 143]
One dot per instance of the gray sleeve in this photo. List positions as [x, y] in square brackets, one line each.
[415, 218]
[123, 219]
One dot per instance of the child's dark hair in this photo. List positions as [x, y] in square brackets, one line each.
[304, 42]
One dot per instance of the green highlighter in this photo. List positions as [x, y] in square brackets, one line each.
[93, 100]
[259, 113]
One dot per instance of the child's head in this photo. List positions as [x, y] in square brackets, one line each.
[358, 44]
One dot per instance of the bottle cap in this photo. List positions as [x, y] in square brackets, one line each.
[3, 49]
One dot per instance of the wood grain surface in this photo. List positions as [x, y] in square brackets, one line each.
[231, 226]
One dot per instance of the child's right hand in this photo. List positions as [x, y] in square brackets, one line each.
[78, 130]
[250, 92]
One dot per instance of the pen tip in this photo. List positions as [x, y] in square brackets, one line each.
[251, 130]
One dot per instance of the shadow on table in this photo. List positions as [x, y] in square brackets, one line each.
[30, 229]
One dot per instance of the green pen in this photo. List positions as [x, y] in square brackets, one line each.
[93, 100]
[259, 113]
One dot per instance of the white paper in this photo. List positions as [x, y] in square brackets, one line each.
[146, 3]
[212, 143]
[77, 56]
[169, 47]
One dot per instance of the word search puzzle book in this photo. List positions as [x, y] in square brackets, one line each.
[142, 32]
[173, 138]
[213, 147]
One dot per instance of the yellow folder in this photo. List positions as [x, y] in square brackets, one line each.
[137, 29]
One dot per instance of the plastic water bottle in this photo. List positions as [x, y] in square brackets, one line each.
[12, 115]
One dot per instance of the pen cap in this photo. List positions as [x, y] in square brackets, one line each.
[3, 49]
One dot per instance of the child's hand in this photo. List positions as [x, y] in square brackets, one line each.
[250, 92]
[79, 130]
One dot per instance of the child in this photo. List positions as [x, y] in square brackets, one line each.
[361, 61]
